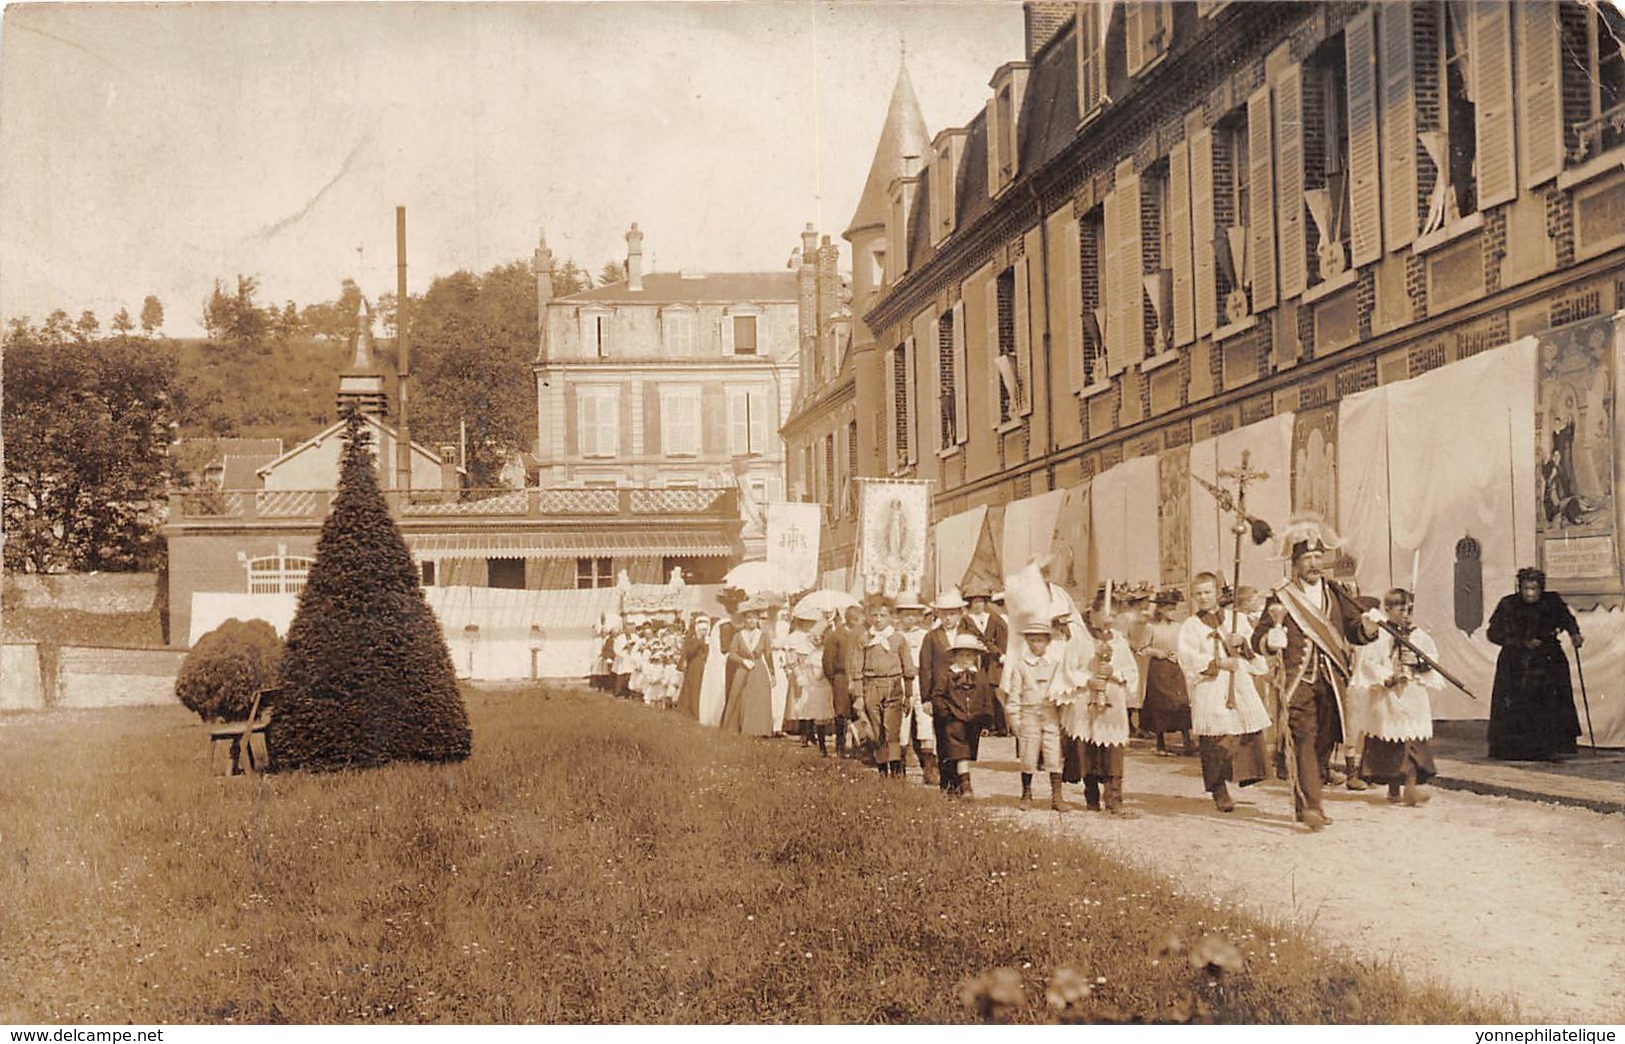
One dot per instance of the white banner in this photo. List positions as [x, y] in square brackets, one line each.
[895, 520]
[792, 541]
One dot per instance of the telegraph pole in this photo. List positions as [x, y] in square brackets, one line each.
[403, 364]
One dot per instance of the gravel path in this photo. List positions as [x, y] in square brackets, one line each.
[1509, 899]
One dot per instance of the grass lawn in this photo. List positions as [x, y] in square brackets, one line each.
[592, 862]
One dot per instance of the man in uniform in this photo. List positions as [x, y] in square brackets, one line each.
[1318, 626]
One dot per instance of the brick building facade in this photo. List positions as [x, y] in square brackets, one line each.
[1215, 213]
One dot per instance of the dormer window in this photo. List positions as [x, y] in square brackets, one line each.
[1093, 19]
[1004, 125]
[947, 149]
[897, 228]
[740, 328]
[1147, 26]
[595, 332]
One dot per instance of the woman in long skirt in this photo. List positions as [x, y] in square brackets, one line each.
[1167, 706]
[1532, 715]
[691, 667]
[750, 701]
[713, 680]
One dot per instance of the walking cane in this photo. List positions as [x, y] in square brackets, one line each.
[1585, 701]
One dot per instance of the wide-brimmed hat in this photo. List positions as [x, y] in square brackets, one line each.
[948, 600]
[1169, 596]
[1039, 627]
[809, 613]
[965, 640]
[908, 601]
[978, 589]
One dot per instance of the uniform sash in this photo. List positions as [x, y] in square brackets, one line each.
[1312, 621]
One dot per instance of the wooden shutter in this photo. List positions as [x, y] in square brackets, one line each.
[762, 425]
[738, 421]
[992, 291]
[992, 124]
[1365, 161]
[1540, 92]
[714, 420]
[1202, 226]
[654, 438]
[1134, 35]
[1023, 404]
[1131, 265]
[587, 422]
[961, 377]
[1091, 56]
[911, 430]
[888, 409]
[1261, 199]
[1398, 128]
[1179, 218]
[1066, 297]
[1492, 114]
[1289, 179]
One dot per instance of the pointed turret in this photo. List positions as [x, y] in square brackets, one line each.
[542, 265]
[903, 135]
[361, 385]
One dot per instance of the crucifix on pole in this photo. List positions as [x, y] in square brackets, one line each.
[1242, 524]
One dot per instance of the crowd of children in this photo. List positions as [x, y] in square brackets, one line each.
[895, 679]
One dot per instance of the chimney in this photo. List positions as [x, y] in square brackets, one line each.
[809, 243]
[634, 258]
[449, 479]
[542, 264]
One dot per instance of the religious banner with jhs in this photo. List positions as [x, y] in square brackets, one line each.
[893, 522]
[1574, 448]
[792, 541]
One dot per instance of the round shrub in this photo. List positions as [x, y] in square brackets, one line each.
[226, 667]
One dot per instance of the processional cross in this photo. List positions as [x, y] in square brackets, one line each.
[1244, 523]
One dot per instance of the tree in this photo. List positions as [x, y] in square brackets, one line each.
[473, 342]
[122, 323]
[334, 320]
[234, 320]
[87, 327]
[152, 315]
[87, 431]
[612, 272]
[366, 673]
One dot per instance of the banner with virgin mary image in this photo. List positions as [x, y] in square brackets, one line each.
[1575, 516]
[894, 520]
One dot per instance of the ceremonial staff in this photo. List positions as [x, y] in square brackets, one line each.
[1399, 637]
[1244, 523]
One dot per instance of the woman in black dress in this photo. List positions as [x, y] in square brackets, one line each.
[1532, 715]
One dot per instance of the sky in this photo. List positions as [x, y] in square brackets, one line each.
[153, 149]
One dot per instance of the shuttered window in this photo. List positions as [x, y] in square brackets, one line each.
[1092, 288]
[1146, 25]
[1260, 201]
[1006, 368]
[1289, 145]
[994, 169]
[750, 421]
[680, 421]
[1091, 21]
[1398, 126]
[947, 391]
[598, 421]
[1177, 218]
[1364, 157]
[1326, 160]
[1540, 91]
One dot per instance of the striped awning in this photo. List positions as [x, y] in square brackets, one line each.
[432, 547]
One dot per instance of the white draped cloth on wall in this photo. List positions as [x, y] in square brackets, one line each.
[1123, 517]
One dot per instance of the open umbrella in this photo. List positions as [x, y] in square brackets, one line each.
[826, 602]
[756, 577]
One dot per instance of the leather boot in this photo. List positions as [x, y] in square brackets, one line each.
[1412, 796]
[897, 769]
[1055, 801]
[1393, 793]
[1114, 800]
[1354, 780]
[1091, 795]
[928, 766]
[964, 785]
[1222, 800]
[1026, 791]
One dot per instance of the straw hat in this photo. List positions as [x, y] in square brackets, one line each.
[965, 640]
[948, 600]
[1038, 627]
[908, 601]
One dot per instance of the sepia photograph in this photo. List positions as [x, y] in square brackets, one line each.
[977, 513]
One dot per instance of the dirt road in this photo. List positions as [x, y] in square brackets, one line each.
[1489, 895]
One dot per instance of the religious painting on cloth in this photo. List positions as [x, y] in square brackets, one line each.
[1575, 517]
[1174, 515]
[894, 520]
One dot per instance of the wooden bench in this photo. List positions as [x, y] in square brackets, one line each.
[240, 734]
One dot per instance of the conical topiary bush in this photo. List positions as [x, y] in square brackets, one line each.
[367, 674]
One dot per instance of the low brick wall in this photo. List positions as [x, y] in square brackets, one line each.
[88, 592]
